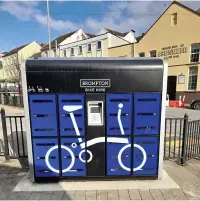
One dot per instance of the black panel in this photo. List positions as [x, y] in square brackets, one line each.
[127, 75]
[97, 166]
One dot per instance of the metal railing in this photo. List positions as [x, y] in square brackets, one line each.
[193, 140]
[13, 144]
[181, 140]
[173, 140]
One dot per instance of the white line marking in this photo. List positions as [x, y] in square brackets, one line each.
[75, 126]
[143, 161]
[71, 108]
[102, 139]
[119, 118]
[62, 147]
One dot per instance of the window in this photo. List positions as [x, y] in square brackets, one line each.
[80, 50]
[141, 54]
[192, 81]
[153, 53]
[54, 53]
[89, 47]
[65, 53]
[195, 52]
[174, 19]
[72, 52]
[46, 54]
[99, 45]
[1, 64]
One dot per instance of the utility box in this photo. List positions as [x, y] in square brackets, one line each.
[99, 118]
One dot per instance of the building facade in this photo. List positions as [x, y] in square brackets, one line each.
[175, 36]
[11, 60]
[62, 40]
[96, 46]
[1, 64]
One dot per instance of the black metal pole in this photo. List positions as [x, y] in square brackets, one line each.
[184, 140]
[5, 136]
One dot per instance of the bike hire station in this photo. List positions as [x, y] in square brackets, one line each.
[100, 117]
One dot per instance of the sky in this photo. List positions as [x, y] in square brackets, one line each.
[22, 22]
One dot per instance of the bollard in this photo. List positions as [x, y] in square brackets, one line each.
[5, 136]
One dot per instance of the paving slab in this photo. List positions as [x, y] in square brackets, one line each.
[165, 183]
[156, 194]
[113, 195]
[134, 194]
[145, 194]
[167, 194]
[102, 195]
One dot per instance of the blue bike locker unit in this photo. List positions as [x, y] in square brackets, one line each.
[99, 118]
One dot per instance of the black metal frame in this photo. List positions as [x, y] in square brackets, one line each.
[16, 126]
[180, 144]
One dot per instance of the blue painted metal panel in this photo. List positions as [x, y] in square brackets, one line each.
[150, 145]
[73, 149]
[66, 124]
[113, 166]
[112, 108]
[147, 108]
[43, 114]
[40, 148]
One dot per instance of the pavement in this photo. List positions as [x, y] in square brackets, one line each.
[186, 178]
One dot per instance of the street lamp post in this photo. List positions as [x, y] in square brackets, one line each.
[48, 24]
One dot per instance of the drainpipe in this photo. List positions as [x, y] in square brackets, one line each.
[133, 52]
[56, 48]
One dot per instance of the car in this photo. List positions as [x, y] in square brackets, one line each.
[195, 104]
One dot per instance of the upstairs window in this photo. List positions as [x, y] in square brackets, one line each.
[192, 81]
[99, 45]
[65, 53]
[195, 52]
[174, 19]
[72, 52]
[80, 50]
[89, 47]
[141, 54]
[153, 53]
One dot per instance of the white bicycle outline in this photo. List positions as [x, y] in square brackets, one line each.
[71, 109]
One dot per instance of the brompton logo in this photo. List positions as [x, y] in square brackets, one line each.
[95, 83]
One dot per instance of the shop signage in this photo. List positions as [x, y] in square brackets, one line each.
[181, 79]
[172, 51]
[95, 85]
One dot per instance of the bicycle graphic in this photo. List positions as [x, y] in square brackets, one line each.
[71, 109]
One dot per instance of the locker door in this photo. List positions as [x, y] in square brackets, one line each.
[43, 114]
[147, 113]
[113, 165]
[40, 149]
[74, 103]
[150, 146]
[118, 104]
[72, 155]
